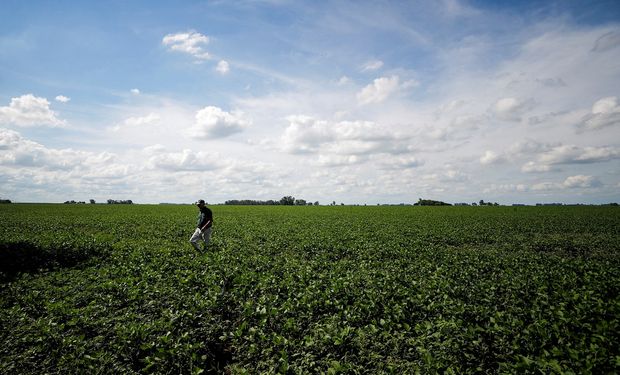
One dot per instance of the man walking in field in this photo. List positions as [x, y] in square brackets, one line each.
[203, 226]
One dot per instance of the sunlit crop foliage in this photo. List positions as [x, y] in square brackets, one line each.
[118, 289]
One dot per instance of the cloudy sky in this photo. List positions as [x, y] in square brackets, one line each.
[347, 101]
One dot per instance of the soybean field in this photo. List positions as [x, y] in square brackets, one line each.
[309, 290]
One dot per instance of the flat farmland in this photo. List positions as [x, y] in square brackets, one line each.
[296, 290]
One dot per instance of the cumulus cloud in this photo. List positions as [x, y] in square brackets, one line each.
[491, 157]
[222, 67]
[62, 99]
[29, 110]
[21, 152]
[212, 122]
[381, 89]
[581, 181]
[605, 113]
[190, 42]
[306, 134]
[135, 91]
[511, 109]
[529, 147]
[551, 156]
[571, 154]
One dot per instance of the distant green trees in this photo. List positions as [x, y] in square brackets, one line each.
[284, 201]
[483, 203]
[430, 202]
[112, 201]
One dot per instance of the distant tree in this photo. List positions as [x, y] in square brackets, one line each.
[92, 201]
[300, 202]
[316, 203]
[5, 201]
[430, 202]
[112, 201]
[333, 203]
[287, 200]
[481, 202]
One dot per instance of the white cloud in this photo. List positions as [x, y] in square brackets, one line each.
[146, 121]
[223, 67]
[19, 152]
[212, 122]
[186, 160]
[62, 99]
[491, 157]
[438, 133]
[381, 89]
[135, 91]
[454, 176]
[511, 109]
[372, 65]
[605, 113]
[340, 160]
[305, 134]
[529, 147]
[571, 154]
[29, 110]
[344, 80]
[401, 163]
[533, 167]
[581, 181]
[449, 175]
[546, 186]
[549, 157]
[308, 135]
[190, 42]
[506, 188]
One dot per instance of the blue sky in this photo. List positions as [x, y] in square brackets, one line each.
[354, 102]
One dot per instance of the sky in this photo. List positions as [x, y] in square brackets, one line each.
[359, 102]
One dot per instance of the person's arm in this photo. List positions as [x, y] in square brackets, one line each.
[205, 226]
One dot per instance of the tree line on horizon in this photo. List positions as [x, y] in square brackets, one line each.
[284, 201]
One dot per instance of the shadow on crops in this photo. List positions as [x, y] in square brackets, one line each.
[27, 257]
[219, 357]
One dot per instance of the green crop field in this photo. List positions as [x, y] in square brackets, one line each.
[118, 289]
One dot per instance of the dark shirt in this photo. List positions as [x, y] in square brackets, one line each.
[204, 216]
